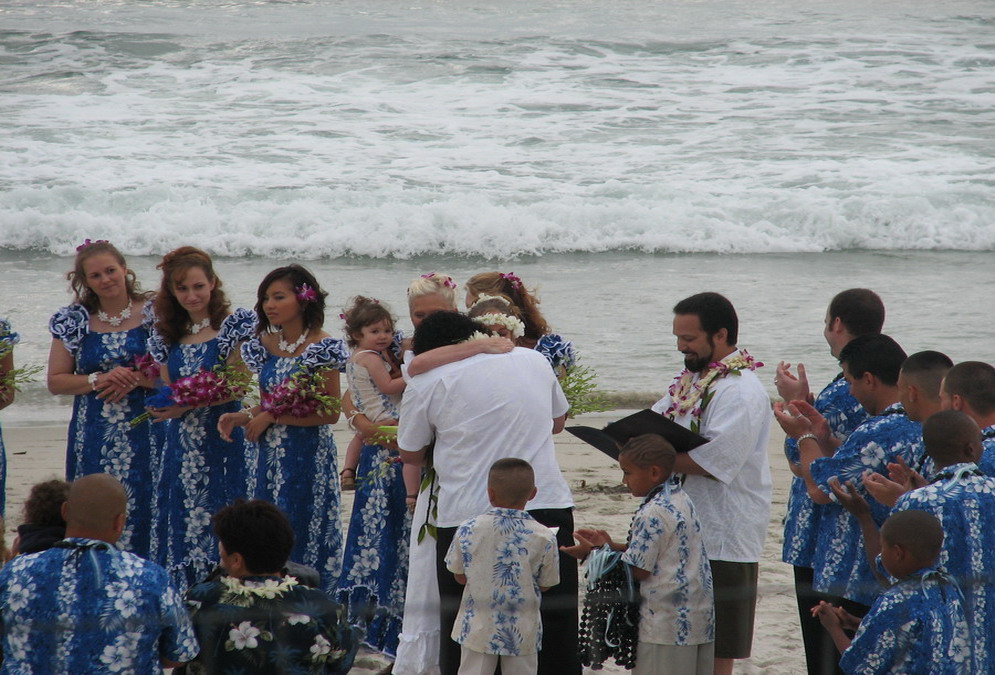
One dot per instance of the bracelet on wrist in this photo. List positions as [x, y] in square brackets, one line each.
[808, 435]
[248, 413]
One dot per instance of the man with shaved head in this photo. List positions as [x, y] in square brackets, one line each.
[84, 606]
[970, 388]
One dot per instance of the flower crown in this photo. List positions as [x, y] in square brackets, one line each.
[483, 297]
[89, 242]
[306, 294]
[514, 325]
[447, 280]
[512, 279]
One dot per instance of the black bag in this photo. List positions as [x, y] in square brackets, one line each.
[609, 624]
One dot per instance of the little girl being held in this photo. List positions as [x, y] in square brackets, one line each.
[374, 376]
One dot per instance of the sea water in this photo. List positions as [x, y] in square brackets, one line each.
[619, 156]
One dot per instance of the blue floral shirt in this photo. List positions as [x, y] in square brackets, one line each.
[916, 626]
[987, 461]
[801, 522]
[86, 607]
[269, 625]
[964, 501]
[507, 557]
[666, 540]
[840, 564]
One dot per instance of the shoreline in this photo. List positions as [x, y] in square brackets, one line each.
[37, 453]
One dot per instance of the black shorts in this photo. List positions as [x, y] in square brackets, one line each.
[735, 588]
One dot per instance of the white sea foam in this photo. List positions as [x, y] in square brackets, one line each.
[497, 129]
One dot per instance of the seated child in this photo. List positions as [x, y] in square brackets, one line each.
[917, 625]
[666, 554]
[505, 559]
[258, 619]
[43, 524]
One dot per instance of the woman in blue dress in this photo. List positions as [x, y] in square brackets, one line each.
[194, 332]
[296, 467]
[8, 338]
[96, 346]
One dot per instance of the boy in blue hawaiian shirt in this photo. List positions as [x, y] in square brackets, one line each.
[505, 559]
[917, 625]
[666, 553]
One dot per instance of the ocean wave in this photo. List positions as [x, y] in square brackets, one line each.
[313, 223]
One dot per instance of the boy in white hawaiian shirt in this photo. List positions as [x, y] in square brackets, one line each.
[666, 553]
[505, 559]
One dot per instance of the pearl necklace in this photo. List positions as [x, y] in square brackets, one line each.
[289, 347]
[200, 325]
[115, 320]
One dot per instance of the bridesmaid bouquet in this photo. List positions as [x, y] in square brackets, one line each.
[300, 395]
[579, 385]
[147, 366]
[203, 388]
[12, 380]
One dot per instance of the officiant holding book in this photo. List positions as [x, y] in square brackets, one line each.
[719, 396]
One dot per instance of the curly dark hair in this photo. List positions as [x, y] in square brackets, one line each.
[172, 321]
[444, 328]
[259, 531]
[297, 276]
[77, 275]
[362, 313]
[44, 503]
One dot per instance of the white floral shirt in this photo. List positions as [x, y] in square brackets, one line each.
[507, 557]
[666, 540]
[85, 606]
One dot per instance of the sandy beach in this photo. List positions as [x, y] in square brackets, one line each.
[38, 453]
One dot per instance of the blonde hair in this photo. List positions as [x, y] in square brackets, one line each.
[433, 283]
[511, 287]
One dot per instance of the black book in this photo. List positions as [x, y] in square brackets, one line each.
[610, 439]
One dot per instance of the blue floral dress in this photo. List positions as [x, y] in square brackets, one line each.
[101, 438]
[201, 472]
[8, 338]
[297, 466]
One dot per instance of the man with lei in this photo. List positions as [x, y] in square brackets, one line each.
[728, 478]
[257, 618]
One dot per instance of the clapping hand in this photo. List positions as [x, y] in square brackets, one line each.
[587, 540]
[800, 417]
[883, 489]
[900, 472]
[849, 498]
[789, 386]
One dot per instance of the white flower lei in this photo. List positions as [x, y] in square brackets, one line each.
[269, 589]
[514, 325]
[685, 393]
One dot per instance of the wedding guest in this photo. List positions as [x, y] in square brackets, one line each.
[970, 388]
[666, 553]
[915, 626]
[851, 313]
[98, 347]
[84, 606]
[504, 559]
[257, 619]
[195, 333]
[289, 435]
[43, 524]
[871, 364]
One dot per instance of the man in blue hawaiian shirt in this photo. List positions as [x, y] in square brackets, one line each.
[970, 388]
[871, 364]
[257, 619]
[86, 607]
[851, 313]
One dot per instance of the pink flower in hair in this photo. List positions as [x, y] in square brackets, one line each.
[88, 242]
[306, 294]
[513, 279]
[447, 280]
